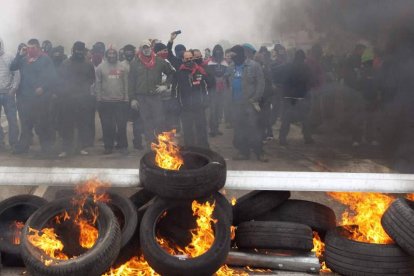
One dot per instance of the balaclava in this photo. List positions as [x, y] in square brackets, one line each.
[239, 56]
[58, 55]
[78, 51]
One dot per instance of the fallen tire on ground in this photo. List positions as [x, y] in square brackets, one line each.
[203, 173]
[398, 222]
[166, 264]
[93, 262]
[274, 235]
[16, 208]
[257, 203]
[349, 257]
[317, 216]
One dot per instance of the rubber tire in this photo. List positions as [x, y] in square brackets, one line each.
[257, 203]
[129, 213]
[349, 257]
[184, 184]
[11, 253]
[274, 235]
[93, 262]
[168, 265]
[123, 204]
[398, 222]
[141, 198]
[319, 217]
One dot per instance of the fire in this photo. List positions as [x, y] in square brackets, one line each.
[16, 227]
[47, 241]
[136, 266]
[233, 201]
[410, 197]
[232, 232]
[319, 249]
[88, 234]
[366, 210]
[167, 152]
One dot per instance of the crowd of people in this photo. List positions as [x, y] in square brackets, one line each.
[56, 97]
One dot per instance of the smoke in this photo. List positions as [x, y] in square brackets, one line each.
[203, 23]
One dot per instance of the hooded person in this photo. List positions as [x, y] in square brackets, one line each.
[77, 75]
[58, 55]
[247, 87]
[47, 47]
[38, 80]
[249, 50]
[111, 89]
[9, 83]
[147, 89]
[220, 96]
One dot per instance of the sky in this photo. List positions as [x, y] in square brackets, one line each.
[203, 23]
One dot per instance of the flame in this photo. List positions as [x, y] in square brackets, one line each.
[365, 211]
[16, 227]
[233, 201]
[233, 232]
[319, 249]
[410, 197]
[47, 241]
[167, 152]
[136, 266]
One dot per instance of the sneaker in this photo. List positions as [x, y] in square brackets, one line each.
[63, 154]
[355, 144]
[375, 143]
[83, 152]
[107, 151]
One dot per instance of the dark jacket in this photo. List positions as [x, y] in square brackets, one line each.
[39, 74]
[297, 80]
[190, 89]
[77, 77]
[175, 61]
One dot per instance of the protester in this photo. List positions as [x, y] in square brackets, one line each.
[112, 96]
[279, 60]
[175, 60]
[47, 47]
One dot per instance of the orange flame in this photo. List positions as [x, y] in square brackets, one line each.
[233, 232]
[16, 227]
[410, 197]
[233, 201]
[167, 152]
[319, 249]
[47, 241]
[365, 211]
[136, 266]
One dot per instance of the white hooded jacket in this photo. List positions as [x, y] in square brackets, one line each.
[8, 79]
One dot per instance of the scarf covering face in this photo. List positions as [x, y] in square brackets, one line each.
[33, 53]
[149, 62]
[194, 69]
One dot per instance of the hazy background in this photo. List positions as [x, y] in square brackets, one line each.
[203, 23]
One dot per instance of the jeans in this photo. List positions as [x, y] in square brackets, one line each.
[114, 117]
[8, 103]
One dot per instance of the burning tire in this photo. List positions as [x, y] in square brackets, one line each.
[15, 209]
[94, 261]
[398, 222]
[203, 173]
[257, 203]
[350, 257]
[166, 264]
[317, 216]
[274, 235]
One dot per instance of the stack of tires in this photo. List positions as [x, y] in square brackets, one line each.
[203, 175]
[270, 220]
[349, 257]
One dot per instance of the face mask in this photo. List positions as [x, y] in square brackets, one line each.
[189, 63]
[163, 55]
[129, 57]
[238, 60]
[199, 61]
[146, 52]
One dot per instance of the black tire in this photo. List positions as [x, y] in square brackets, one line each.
[274, 235]
[317, 216]
[169, 265]
[19, 207]
[93, 262]
[203, 173]
[141, 198]
[398, 222]
[123, 208]
[257, 203]
[126, 214]
[349, 257]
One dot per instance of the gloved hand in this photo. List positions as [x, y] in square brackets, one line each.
[135, 105]
[161, 89]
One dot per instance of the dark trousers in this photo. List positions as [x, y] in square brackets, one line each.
[137, 130]
[195, 127]
[295, 111]
[35, 112]
[152, 113]
[247, 135]
[90, 119]
[73, 111]
[114, 117]
[265, 118]
[216, 111]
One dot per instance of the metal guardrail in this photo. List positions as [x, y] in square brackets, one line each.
[237, 180]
